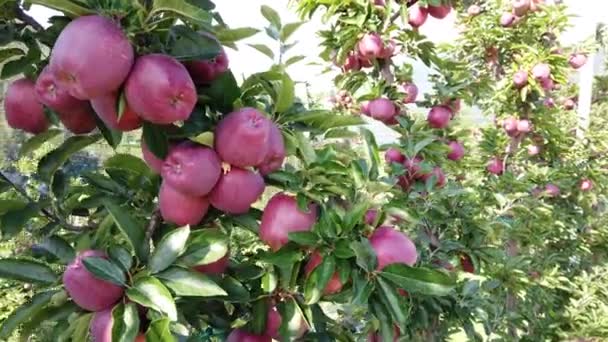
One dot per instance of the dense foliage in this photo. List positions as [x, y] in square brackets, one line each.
[252, 217]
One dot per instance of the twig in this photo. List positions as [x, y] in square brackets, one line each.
[398, 13]
[155, 221]
[49, 215]
[26, 18]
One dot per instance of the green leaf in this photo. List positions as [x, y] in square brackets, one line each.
[229, 36]
[8, 205]
[366, 257]
[56, 158]
[132, 230]
[305, 148]
[304, 238]
[191, 45]
[150, 292]
[294, 60]
[24, 64]
[355, 216]
[159, 331]
[70, 8]
[283, 257]
[184, 282]
[318, 279]
[324, 120]
[289, 29]
[10, 52]
[224, 91]
[58, 247]
[259, 314]
[14, 221]
[263, 49]
[372, 152]
[36, 141]
[236, 291]
[105, 270]
[205, 248]
[271, 15]
[205, 138]
[342, 249]
[285, 94]
[125, 322]
[121, 257]
[24, 313]
[390, 297]
[184, 10]
[112, 136]
[26, 270]
[80, 327]
[419, 280]
[169, 249]
[156, 140]
[127, 163]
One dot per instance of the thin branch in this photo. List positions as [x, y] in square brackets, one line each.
[45, 212]
[26, 18]
[154, 223]
[398, 13]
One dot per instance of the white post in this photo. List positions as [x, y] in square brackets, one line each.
[585, 96]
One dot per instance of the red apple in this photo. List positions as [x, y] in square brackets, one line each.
[439, 117]
[207, 70]
[586, 185]
[521, 7]
[276, 152]
[507, 19]
[22, 109]
[577, 60]
[370, 216]
[87, 291]
[473, 10]
[154, 163]
[281, 217]
[191, 169]
[510, 126]
[391, 247]
[411, 92]
[79, 121]
[180, 208]
[382, 109]
[393, 155]
[91, 57]
[352, 63]
[456, 150]
[541, 71]
[520, 79]
[440, 181]
[439, 12]
[101, 326]
[240, 335]
[106, 107]
[370, 46]
[467, 263]
[242, 137]
[160, 90]
[334, 285]
[417, 15]
[216, 267]
[237, 190]
[495, 166]
[53, 96]
[552, 190]
[524, 126]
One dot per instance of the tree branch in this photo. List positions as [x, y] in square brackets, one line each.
[154, 223]
[45, 212]
[26, 18]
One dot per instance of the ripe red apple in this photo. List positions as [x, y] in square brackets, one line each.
[541, 71]
[370, 46]
[351, 63]
[456, 150]
[53, 96]
[533, 150]
[549, 102]
[241, 138]
[520, 79]
[87, 67]
[552, 190]
[439, 117]
[388, 50]
[160, 90]
[365, 108]
[240, 335]
[411, 92]
[192, 169]
[547, 84]
[473, 10]
[586, 185]
[106, 107]
[382, 109]
[180, 208]
[22, 109]
[417, 15]
[507, 19]
[510, 126]
[392, 246]
[86, 291]
[101, 326]
[495, 166]
[237, 190]
[577, 60]
[521, 7]
[569, 104]
[281, 217]
[276, 152]
[216, 267]
[207, 70]
[524, 126]
[334, 285]
[405, 183]
[440, 181]
[379, 2]
[80, 120]
[439, 12]
[370, 216]
[393, 155]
